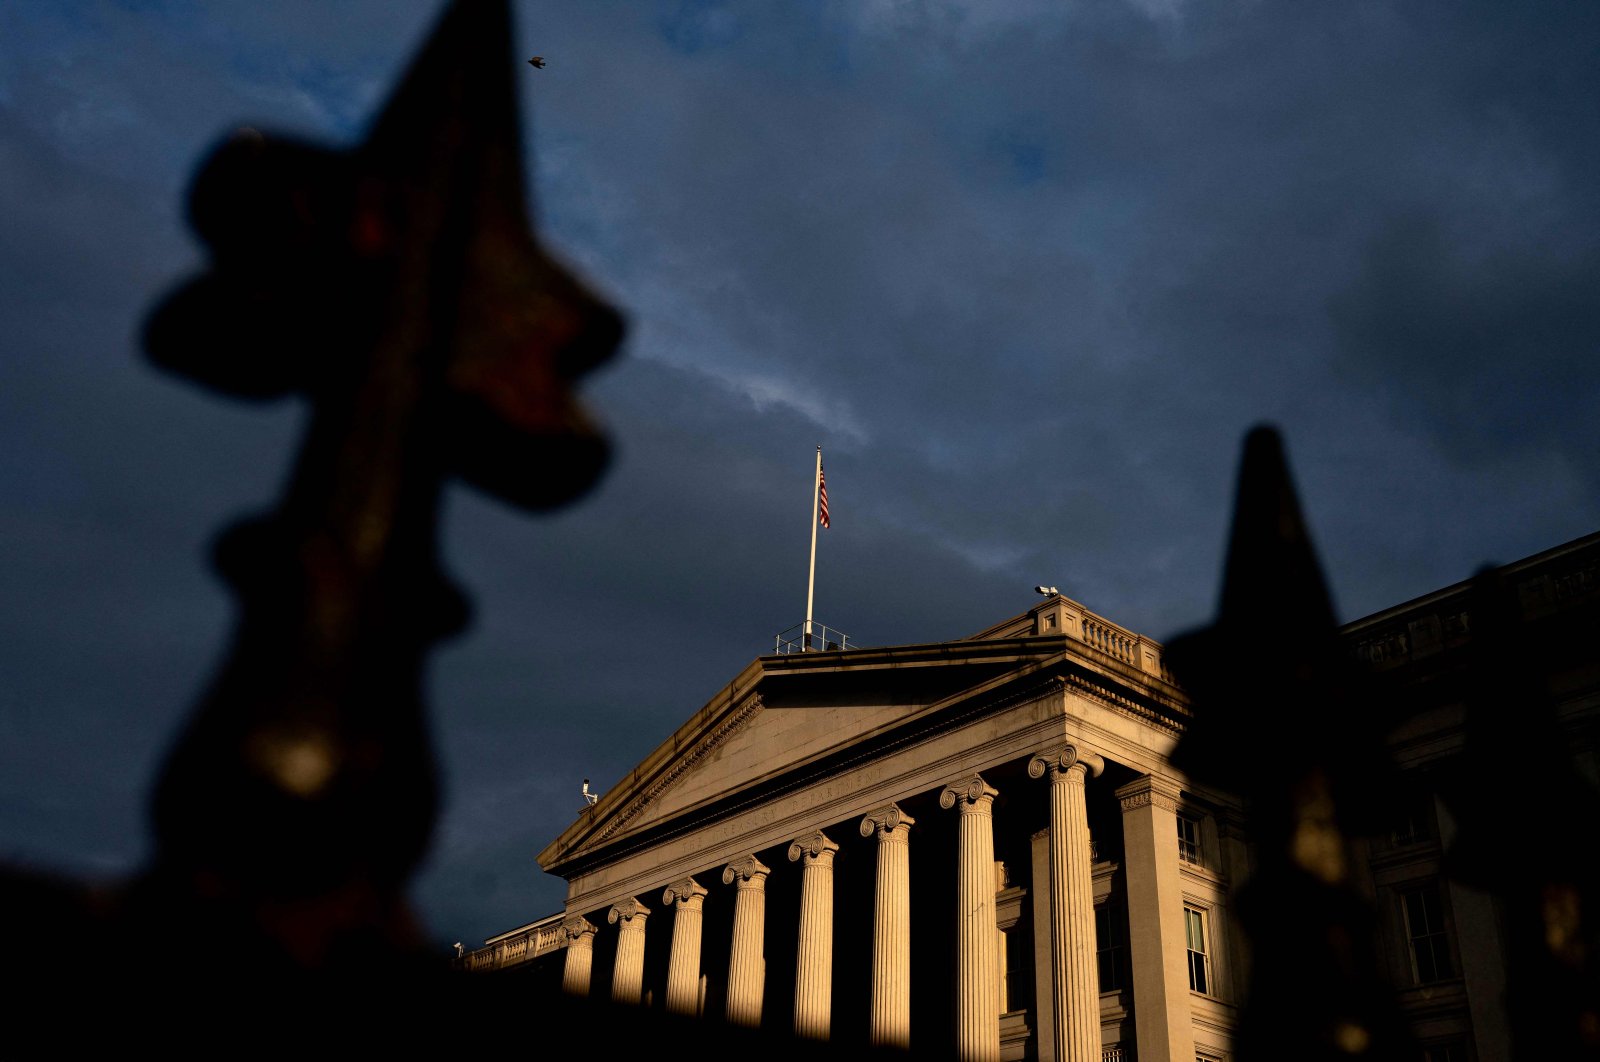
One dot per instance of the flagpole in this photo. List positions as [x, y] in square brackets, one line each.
[811, 577]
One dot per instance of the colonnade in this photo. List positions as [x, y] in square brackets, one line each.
[1074, 1009]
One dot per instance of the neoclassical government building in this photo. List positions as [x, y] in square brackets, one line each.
[981, 847]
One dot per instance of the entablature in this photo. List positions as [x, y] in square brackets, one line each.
[746, 723]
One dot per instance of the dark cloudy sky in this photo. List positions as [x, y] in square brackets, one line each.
[1026, 269]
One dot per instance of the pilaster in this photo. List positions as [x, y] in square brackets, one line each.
[1163, 1025]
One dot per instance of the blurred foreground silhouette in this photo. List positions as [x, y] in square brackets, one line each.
[398, 288]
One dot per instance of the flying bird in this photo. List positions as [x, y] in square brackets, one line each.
[537, 61]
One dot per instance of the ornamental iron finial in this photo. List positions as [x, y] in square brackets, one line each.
[398, 288]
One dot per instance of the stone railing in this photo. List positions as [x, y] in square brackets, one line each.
[1060, 615]
[515, 948]
[1112, 639]
[1146, 654]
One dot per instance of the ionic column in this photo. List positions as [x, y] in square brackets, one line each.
[747, 965]
[1159, 957]
[977, 932]
[683, 967]
[813, 977]
[627, 978]
[579, 933]
[1074, 968]
[891, 928]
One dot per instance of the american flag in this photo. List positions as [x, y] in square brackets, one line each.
[822, 496]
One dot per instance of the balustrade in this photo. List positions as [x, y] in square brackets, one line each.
[1113, 640]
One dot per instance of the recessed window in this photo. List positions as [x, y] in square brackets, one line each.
[1016, 968]
[1189, 839]
[1109, 952]
[1413, 822]
[1452, 1051]
[1194, 928]
[1426, 932]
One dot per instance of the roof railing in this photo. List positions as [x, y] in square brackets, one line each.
[820, 640]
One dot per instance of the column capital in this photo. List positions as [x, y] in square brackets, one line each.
[969, 791]
[744, 871]
[1064, 758]
[685, 893]
[626, 911]
[1142, 792]
[816, 847]
[886, 820]
[575, 928]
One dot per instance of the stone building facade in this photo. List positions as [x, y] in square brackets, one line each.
[981, 848]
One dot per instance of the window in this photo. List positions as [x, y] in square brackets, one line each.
[1453, 1051]
[1413, 822]
[1194, 927]
[1425, 929]
[1016, 968]
[1108, 947]
[1189, 839]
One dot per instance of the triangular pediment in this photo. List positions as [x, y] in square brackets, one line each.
[781, 714]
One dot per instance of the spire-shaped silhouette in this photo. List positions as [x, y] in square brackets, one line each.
[1277, 720]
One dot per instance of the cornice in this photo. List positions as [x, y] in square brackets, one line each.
[1086, 685]
[706, 745]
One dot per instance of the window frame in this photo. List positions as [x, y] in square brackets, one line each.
[1191, 847]
[1436, 933]
[1415, 821]
[1452, 1050]
[1195, 919]
[1110, 947]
